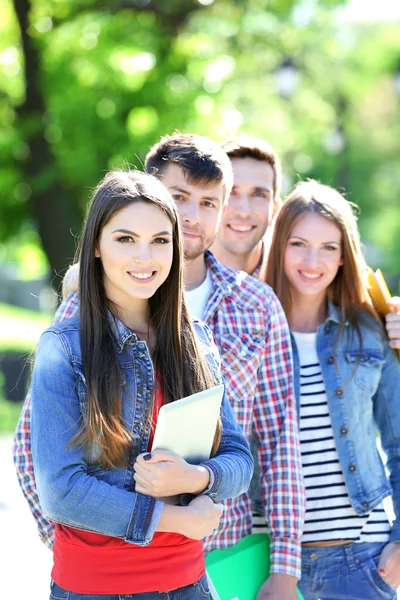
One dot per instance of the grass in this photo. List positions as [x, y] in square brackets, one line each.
[20, 330]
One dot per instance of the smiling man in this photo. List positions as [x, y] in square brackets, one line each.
[254, 202]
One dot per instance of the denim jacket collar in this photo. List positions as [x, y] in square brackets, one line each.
[122, 334]
[334, 314]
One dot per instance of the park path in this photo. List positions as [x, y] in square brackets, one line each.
[25, 561]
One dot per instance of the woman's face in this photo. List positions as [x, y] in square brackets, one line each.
[136, 250]
[313, 256]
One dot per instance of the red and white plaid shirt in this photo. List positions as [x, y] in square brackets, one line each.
[252, 335]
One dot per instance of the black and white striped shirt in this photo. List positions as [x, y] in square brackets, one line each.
[329, 514]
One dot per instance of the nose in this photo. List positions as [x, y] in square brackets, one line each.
[190, 213]
[142, 253]
[312, 257]
[240, 205]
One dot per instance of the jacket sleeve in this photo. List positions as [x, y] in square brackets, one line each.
[387, 415]
[67, 493]
[22, 453]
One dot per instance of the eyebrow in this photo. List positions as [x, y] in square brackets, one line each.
[183, 191]
[133, 234]
[258, 188]
[293, 235]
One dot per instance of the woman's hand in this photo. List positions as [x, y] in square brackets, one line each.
[164, 473]
[393, 323]
[197, 520]
[389, 564]
[203, 517]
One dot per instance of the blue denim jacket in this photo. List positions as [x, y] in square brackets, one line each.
[363, 391]
[77, 492]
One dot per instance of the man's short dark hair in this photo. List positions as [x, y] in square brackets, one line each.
[202, 160]
[246, 146]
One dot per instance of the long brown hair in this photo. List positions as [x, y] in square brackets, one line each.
[177, 356]
[349, 289]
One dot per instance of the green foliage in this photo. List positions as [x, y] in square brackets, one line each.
[115, 76]
[20, 328]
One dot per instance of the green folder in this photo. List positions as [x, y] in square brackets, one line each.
[237, 573]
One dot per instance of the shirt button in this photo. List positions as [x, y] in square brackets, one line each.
[331, 360]
[327, 328]
[344, 431]
[243, 352]
[366, 357]
[365, 504]
[339, 392]
[352, 468]
[314, 556]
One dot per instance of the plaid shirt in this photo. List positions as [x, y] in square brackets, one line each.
[22, 443]
[252, 335]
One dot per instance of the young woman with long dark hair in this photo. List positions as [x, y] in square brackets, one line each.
[348, 389]
[98, 382]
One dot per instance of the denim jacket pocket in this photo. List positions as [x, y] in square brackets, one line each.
[366, 366]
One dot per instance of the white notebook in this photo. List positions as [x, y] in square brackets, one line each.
[188, 426]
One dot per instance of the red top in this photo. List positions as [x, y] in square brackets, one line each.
[90, 563]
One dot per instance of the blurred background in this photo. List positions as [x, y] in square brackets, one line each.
[88, 85]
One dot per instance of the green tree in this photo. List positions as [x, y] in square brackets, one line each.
[91, 85]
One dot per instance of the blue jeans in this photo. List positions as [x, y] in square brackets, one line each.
[343, 573]
[195, 591]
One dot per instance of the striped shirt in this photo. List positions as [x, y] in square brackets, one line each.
[329, 514]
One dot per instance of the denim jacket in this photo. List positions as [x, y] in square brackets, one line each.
[79, 493]
[363, 391]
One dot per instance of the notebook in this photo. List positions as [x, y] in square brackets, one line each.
[188, 426]
[237, 573]
[379, 292]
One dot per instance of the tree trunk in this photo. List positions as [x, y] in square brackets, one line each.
[53, 214]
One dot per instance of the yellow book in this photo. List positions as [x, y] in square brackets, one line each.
[379, 292]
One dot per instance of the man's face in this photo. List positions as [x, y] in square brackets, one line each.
[250, 208]
[199, 208]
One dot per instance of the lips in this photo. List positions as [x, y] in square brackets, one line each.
[240, 228]
[142, 276]
[191, 235]
[310, 277]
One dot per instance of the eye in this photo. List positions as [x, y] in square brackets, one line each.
[124, 239]
[296, 243]
[161, 240]
[330, 248]
[178, 197]
[263, 195]
[208, 204]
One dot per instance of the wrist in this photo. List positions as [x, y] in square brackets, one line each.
[289, 581]
[198, 480]
[173, 519]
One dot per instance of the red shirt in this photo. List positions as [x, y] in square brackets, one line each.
[90, 563]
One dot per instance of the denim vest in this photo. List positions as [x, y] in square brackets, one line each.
[363, 391]
[73, 489]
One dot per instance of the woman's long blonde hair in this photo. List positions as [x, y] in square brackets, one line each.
[349, 289]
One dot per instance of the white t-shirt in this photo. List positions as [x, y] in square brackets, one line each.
[197, 298]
